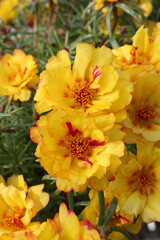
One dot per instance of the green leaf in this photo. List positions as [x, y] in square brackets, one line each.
[82, 203]
[114, 42]
[101, 206]
[90, 5]
[5, 115]
[48, 177]
[108, 22]
[66, 42]
[110, 211]
[129, 11]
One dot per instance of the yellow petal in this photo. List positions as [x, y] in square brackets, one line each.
[135, 204]
[18, 182]
[83, 56]
[71, 228]
[23, 94]
[141, 40]
[39, 197]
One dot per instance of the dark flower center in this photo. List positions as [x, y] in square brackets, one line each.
[145, 113]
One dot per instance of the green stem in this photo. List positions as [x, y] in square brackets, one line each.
[101, 204]
[121, 230]
[70, 200]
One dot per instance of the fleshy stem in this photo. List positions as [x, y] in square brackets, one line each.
[70, 200]
[121, 230]
[101, 204]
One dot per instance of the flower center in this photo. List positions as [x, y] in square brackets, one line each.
[83, 94]
[12, 219]
[144, 183]
[145, 113]
[78, 146]
[139, 58]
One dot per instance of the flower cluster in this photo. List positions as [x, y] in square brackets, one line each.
[65, 225]
[98, 131]
[141, 60]
[80, 140]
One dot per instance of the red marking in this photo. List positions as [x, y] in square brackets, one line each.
[151, 191]
[66, 95]
[130, 182]
[125, 219]
[29, 234]
[70, 128]
[87, 222]
[61, 142]
[25, 70]
[95, 73]
[153, 175]
[111, 178]
[70, 211]
[86, 160]
[96, 143]
[135, 173]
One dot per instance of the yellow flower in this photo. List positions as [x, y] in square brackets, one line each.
[144, 51]
[91, 86]
[145, 5]
[19, 205]
[7, 9]
[100, 3]
[74, 148]
[91, 212]
[64, 226]
[17, 75]
[70, 227]
[137, 183]
[144, 110]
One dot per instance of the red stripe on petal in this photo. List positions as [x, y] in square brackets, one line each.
[86, 160]
[25, 70]
[95, 73]
[96, 143]
[125, 219]
[70, 128]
